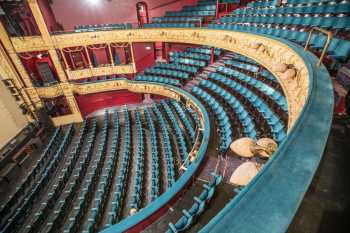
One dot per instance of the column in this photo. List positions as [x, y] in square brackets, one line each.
[132, 57]
[64, 59]
[110, 54]
[73, 106]
[88, 56]
[33, 4]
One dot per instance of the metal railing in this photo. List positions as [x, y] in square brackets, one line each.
[325, 48]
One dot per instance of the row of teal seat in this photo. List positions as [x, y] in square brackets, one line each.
[64, 204]
[192, 55]
[223, 120]
[271, 3]
[209, 7]
[236, 106]
[139, 171]
[201, 202]
[157, 79]
[310, 21]
[26, 205]
[190, 13]
[176, 19]
[248, 67]
[167, 147]
[169, 25]
[103, 181]
[29, 180]
[266, 89]
[203, 50]
[338, 49]
[208, 2]
[188, 61]
[188, 126]
[263, 72]
[121, 182]
[326, 8]
[277, 126]
[180, 67]
[155, 190]
[183, 150]
[86, 194]
[267, 3]
[39, 217]
[166, 72]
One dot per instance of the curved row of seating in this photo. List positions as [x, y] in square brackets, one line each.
[199, 206]
[140, 153]
[192, 55]
[190, 13]
[175, 19]
[167, 147]
[157, 79]
[250, 68]
[188, 61]
[292, 22]
[82, 206]
[242, 58]
[206, 2]
[222, 119]
[186, 122]
[266, 89]
[211, 7]
[203, 50]
[119, 194]
[65, 202]
[317, 21]
[173, 66]
[57, 188]
[166, 72]
[21, 190]
[169, 25]
[277, 126]
[21, 212]
[240, 65]
[183, 150]
[96, 209]
[245, 118]
[327, 7]
[155, 186]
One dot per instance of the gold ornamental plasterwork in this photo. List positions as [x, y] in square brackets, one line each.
[100, 71]
[266, 51]
[29, 44]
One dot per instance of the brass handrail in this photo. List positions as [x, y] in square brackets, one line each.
[325, 49]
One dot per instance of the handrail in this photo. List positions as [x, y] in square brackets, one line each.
[325, 49]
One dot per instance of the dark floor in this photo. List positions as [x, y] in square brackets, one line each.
[325, 208]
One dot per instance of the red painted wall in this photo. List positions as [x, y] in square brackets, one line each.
[143, 58]
[93, 102]
[48, 15]
[80, 12]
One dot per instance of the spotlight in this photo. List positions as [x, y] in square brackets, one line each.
[93, 2]
[148, 48]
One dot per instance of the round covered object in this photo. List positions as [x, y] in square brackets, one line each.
[244, 174]
[243, 147]
[265, 147]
